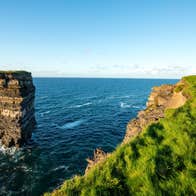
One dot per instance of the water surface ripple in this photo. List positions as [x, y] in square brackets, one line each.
[74, 116]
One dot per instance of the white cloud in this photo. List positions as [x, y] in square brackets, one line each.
[172, 71]
[115, 70]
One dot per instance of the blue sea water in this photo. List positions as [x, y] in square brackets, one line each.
[74, 116]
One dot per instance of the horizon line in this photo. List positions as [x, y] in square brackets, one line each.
[91, 77]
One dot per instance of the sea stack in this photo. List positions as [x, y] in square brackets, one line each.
[17, 113]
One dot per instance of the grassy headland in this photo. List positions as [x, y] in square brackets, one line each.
[13, 72]
[159, 161]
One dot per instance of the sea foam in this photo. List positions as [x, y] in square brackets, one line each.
[125, 105]
[71, 125]
[80, 105]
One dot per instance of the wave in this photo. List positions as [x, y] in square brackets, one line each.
[125, 105]
[61, 167]
[137, 107]
[81, 105]
[43, 113]
[5, 150]
[71, 125]
[43, 97]
[121, 97]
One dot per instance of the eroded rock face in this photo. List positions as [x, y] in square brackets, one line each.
[161, 98]
[17, 118]
[99, 155]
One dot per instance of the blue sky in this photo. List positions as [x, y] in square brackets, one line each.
[99, 38]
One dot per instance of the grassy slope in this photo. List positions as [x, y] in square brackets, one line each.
[160, 161]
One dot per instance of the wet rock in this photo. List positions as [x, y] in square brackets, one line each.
[17, 119]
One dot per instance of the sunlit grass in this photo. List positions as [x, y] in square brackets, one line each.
[160, 161]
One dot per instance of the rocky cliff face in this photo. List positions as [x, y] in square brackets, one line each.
[98, 156]
[161, 98]
[17, 119]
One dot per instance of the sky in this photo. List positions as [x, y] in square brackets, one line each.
[99, 38]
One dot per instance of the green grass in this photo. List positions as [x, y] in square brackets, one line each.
[160, 161]
[13, 72]
[179, 88]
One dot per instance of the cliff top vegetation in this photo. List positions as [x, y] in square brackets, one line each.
[13, 72]
[159, 161]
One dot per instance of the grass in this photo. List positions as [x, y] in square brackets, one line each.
[160, 161]
[13, 72]
[179, 88]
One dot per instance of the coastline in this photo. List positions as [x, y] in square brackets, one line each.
[155, 103]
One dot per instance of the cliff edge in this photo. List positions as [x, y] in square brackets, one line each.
[17, 118]
[157, 156]
[161, 98]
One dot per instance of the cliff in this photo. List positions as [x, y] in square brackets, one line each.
[157, 156]
[17, 119]
[161, 98]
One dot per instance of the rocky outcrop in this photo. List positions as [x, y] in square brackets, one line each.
[17, 118]
[99, 155]
[161, 98]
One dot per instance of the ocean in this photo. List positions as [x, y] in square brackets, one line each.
[74, 117]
